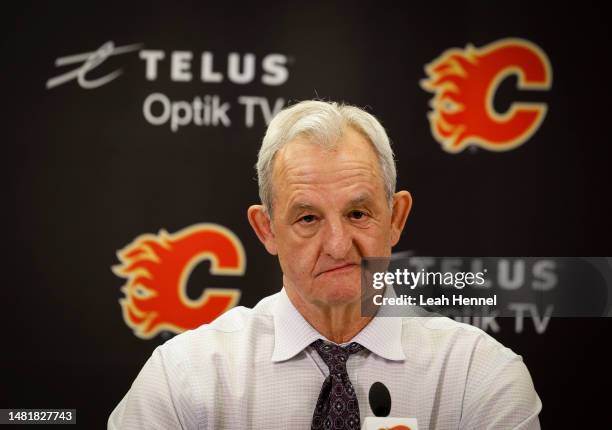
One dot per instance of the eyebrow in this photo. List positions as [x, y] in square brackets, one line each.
[300, 206]
[357, 201]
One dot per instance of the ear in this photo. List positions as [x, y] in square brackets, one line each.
[402, 203]
[260, 221]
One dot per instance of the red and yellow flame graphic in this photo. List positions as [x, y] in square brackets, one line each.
[157, 268]
[464, 83]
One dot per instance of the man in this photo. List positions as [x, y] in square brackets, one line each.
[327, 185]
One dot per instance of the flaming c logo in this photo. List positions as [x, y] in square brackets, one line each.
[464, 83]
[157, 268]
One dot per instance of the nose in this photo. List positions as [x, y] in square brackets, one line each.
[337, 239]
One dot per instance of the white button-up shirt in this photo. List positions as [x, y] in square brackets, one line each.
[255, 369]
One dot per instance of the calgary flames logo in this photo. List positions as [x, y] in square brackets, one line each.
[157, 269]
[465, 81]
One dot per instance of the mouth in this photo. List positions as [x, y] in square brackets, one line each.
[339, 269]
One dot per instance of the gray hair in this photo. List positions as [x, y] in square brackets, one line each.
[323, 123]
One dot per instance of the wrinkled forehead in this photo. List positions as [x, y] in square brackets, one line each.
[303, 161]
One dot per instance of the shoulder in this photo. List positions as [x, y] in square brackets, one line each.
[240, 328]
[497, 386]
[184, 374]
[445, 335]
[465, 351]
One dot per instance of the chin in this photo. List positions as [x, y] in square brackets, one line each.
[341, 293]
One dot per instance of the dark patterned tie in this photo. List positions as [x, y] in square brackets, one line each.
[337, 407]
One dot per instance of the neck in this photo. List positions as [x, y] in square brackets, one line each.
[337, 323]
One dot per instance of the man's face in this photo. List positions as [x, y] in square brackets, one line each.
[329, 210]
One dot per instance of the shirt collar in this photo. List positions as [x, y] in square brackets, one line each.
[292, 333]
[383, 336]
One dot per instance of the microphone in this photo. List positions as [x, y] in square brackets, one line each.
[380, 399]
[380, 403]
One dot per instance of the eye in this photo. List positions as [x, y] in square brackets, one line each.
[358, 215]
[307, 219]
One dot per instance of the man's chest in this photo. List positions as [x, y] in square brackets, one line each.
[284, 395]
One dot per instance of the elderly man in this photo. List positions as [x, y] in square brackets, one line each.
[306, 357]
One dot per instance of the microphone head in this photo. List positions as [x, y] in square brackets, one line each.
[380, 399]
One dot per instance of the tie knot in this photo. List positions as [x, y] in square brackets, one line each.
[335, 356]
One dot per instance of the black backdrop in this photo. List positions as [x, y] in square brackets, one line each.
[88, 174]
